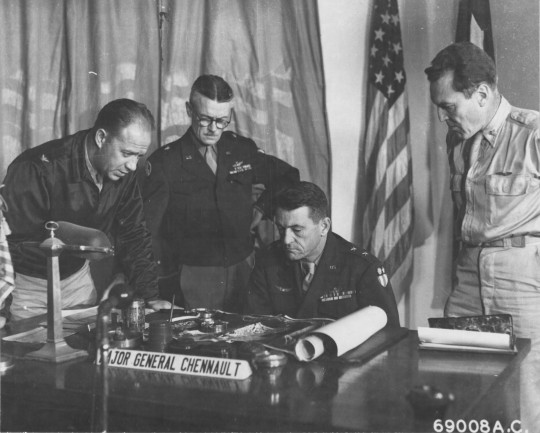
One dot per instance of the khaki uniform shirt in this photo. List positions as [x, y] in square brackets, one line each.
[495, 177]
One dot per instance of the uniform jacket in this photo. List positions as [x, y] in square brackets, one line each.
[495, 177]
[201, 219]
[346, 279]
[52, 182]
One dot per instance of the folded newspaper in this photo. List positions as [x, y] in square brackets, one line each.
[487, 333]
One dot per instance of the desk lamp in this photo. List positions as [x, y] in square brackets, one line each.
[86, 243]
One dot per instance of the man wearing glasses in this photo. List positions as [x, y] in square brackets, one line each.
[198, 202]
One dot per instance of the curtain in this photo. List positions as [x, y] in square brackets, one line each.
[270, 54]
[62, 60]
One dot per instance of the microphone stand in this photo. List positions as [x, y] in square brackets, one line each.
[102, 330]
[119, 296]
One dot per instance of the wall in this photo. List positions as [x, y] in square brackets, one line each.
[427, 27]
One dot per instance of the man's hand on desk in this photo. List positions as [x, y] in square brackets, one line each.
[158, 304]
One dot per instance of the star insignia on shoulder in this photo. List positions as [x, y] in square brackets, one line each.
[353, 248]
[44, 158]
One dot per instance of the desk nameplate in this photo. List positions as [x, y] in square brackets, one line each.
[224, 368]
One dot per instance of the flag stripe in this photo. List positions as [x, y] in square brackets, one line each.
[7, 273]
[398, 167]
[397, 125]
[397, 199]
[385, 235]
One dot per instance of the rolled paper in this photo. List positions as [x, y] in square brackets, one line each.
[464, 338]
[347, 333]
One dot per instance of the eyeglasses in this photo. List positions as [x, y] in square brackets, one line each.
[221, 123]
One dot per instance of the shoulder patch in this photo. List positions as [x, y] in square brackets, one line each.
[382, 277]
[526, 117]
[148, 168]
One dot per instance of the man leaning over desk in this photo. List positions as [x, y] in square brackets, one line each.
[87, 179]
[311, 271]
[494, 155]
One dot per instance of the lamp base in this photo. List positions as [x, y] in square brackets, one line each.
[56, 352]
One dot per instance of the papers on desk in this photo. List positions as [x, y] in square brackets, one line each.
[468, 341]
[73, 321]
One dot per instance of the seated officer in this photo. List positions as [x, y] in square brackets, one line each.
[312, 272]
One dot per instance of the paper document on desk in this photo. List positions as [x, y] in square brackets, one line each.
[34, 336]
[461, 340]
[344, 334]
[72, 322]
[75, 319]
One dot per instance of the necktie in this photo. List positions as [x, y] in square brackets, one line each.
[210, 158]
[309, 270]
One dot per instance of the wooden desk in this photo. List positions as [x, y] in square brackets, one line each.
[317, 396]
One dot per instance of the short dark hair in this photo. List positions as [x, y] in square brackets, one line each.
[121, 113]
[304, 194]
[213, 87]
[471, 66]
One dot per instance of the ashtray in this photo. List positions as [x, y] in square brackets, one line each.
[121, 339]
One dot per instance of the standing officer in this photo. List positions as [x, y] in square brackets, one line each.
[86, 179]
[494, 153]
[311, 271]
[198, 201]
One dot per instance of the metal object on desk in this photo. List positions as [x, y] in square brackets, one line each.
[270, 365]
[5, 363]
[270, 360]
[127, 339]
[215, 326]
[134, 316]
[56, 349]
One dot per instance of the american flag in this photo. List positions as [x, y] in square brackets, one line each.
[388, 216]
[7, 275]
[474, 25]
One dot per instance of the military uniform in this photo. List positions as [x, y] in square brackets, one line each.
[495, 182]
[199, 218]
[346, 279]
[52, 182]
